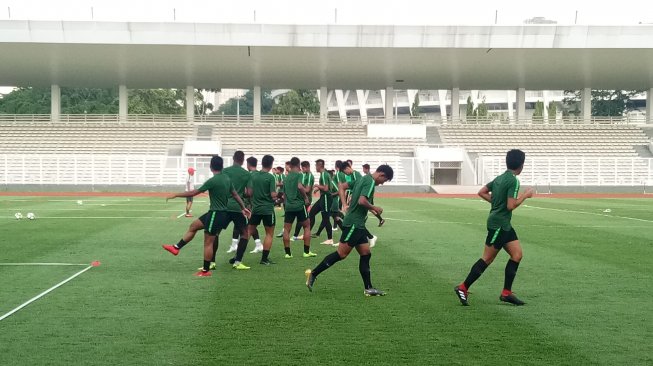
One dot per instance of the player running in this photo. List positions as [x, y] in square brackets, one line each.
[262, 188]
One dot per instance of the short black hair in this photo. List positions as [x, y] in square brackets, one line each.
[294, 161]
[239, 157]
[515, 159]
[252, 161]
[305, 164]
[338, 163]
[288, 163]
[267, 161]
[217, 163]
[350, 162]
[319, 161]
[280, 169]
[344, 165]
[386, 170]
[366, 166]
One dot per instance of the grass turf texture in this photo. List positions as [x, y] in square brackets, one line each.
[584, 276]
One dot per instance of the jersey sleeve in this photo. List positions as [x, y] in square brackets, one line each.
[206, 186]
[367, 188]
[490, 185]
[273, 185]
[513, 189]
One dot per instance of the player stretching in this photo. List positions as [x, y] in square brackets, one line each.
[308, 180]
[503, 194]
[296, 197]
[220, 189]
[240, 179]
[354, 234]
[263, 190]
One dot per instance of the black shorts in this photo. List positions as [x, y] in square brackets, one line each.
[301, 216]
[498, 238]
[268, 220]
[214, 221]
[335, 204]
[240, 221]
[354, 236]
[189, 199]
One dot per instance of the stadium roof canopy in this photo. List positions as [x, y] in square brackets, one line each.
[152, 55]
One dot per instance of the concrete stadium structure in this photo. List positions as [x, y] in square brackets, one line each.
[373, 61]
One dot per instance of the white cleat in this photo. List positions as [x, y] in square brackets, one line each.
[257, 250]
[327, 242]
[373, 241]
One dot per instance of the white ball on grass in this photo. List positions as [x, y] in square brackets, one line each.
[30, 216]
[18, 215]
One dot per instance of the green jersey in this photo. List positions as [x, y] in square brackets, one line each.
[294, 198]
[325, 180]
[352, 178]
[262, 184]
[308, 180]
[357, 214]
[502, 187]
[220, 188]
[239, 178]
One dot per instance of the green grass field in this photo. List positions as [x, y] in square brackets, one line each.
[586, 276]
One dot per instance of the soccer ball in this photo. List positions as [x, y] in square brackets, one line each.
[18, 215]
[80, 202]
[30, 216]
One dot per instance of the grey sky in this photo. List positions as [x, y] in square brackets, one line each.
[422, 12]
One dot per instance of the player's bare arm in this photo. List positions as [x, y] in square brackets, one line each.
[485, 194]
[247, 213]
[192, 193]
[513, 203]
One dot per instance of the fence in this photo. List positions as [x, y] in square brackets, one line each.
[147, 170]
[580, 171]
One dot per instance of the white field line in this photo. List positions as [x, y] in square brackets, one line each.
[481, 223]
[43, 293]
[89, 217]
[42, 264]
[83, 209]
[588, 213]
[181, 214]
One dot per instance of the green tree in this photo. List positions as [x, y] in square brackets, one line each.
[415, 110]
[604, 102]
[470, 107]
[298, 102]
[538, 113]
[25, 100]
[246, 104]
[156, 101]
[552, 110]
[481, 110]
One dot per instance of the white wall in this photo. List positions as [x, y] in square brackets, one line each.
[202, 148]
[389, 130]
[440, 153]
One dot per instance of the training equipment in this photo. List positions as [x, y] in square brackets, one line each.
[203, 274]
[30, 216]
[18, 215]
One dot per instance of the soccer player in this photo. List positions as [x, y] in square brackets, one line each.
[354, 234]
[323, 204]
[252, 162]
[284, 174]
[352, 177]
[296, 197]
[308, 180]
[366, 169]
[503, 194]
[215, 220]
[263, 190]
[189, 187]
[240, 179]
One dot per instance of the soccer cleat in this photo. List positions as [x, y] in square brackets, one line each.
[171, 249]
[373, 292]
[462, 295]
[288, 256]
[381, 222]
[188, 215]
[373, 241]
[240, 266]
[295, 238]
[232, 248]
[211, 267]
[334, 229]
[309, 254]
[280, 235]
[512, 299]
[257, 250]
[327, 242]
[203, 274]
[266, 262]
[310, 279]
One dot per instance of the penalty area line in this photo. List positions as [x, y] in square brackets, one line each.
[44, 293]
[43, 264]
